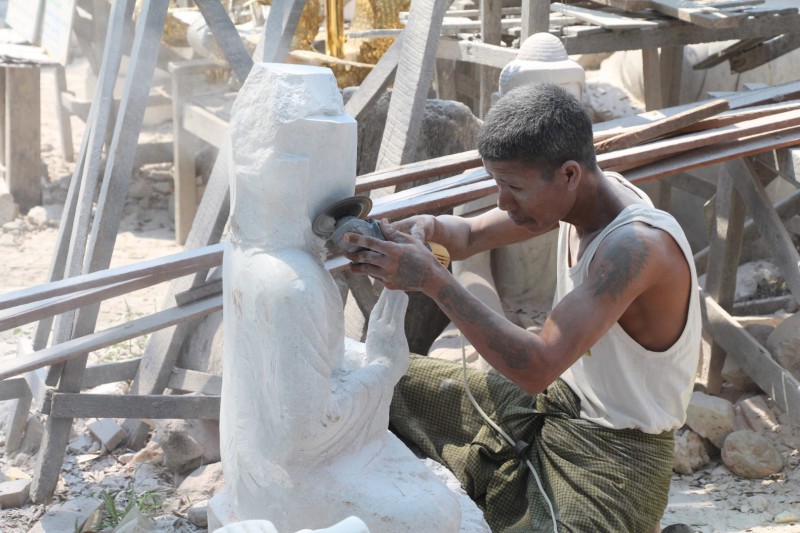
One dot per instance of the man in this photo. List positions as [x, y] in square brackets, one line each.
[613, 366]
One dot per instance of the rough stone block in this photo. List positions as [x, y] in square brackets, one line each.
[748, 454]
[758, 414]
[107, 431]
[63, 517]
[198, 514]
[691, 452]
[203, 483]
[14, 493]
[710, 417]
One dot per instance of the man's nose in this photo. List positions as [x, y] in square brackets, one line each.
[504, 201]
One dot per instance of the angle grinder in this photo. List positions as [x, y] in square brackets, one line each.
[350, 216]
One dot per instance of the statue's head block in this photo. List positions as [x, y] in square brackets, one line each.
[293, 154]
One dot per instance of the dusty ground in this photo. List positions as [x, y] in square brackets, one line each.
[711, 500]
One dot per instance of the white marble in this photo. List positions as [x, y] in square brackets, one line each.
[303, 420]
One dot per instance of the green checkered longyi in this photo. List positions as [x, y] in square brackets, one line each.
[599, 479]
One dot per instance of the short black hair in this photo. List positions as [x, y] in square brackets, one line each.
[539, 123]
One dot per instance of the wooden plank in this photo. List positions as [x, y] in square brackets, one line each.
[190, 260]
[632, 157]
[604, 19]
[105, 225]
[192, 381]
[57, 28]
[714, 154]
[113, 372]
[662, 127]
[773, 233]
[752, 357]
[697, 13]
[626, 5]
[376, 81]
[74, 405]
[13, 388]
[693, 185]
[79, 346]
[535, 19]
[412, 82]
[279, 30]
[736, 115]
[23, 135]
[764, 52]
[227, 37]
[725, 244]
[25, 17]
[721, 56]
[678, 33]
[475, 52]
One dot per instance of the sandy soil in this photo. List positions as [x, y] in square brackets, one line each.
[711, 500]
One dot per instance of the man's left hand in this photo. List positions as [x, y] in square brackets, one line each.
[400, 262]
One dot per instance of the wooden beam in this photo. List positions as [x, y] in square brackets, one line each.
[752, 357]
[773, 233]
[105, 226]
[678, 33]
[764, 52]
[192, 381]
[79, 346]
[113, 372]
[717, 153]
[376, 81]
[535, 19]
[412, 82]
[604, 19]
[75, 405]
[13, 388]
[284, 15]
[651, 78]
[660, 128]
[190, 260]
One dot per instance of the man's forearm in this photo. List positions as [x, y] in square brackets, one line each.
[515, 352]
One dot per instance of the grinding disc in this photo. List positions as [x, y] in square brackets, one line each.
[355, 206]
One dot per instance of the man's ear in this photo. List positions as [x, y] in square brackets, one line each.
[572, 172]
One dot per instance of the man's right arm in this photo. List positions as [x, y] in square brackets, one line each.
[462, 236]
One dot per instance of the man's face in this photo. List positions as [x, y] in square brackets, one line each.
[530, 199]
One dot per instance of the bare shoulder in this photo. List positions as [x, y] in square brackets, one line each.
[635, 257]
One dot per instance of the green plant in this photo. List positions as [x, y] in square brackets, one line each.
[116, 507]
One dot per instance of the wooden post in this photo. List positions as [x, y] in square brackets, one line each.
[724, 250]
[23, 135]
[284, 15]
[535, 18]
[491, 33]
[376, 81]
[63, 114]
[105, 226]
[651, 79]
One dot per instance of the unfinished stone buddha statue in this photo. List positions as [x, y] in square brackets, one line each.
[304, 416]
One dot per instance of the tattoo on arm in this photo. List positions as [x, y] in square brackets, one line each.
[514, 352]
[625, 262]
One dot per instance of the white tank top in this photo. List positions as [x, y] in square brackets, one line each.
[621, 384]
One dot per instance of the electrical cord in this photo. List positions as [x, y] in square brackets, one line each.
[518, 446]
